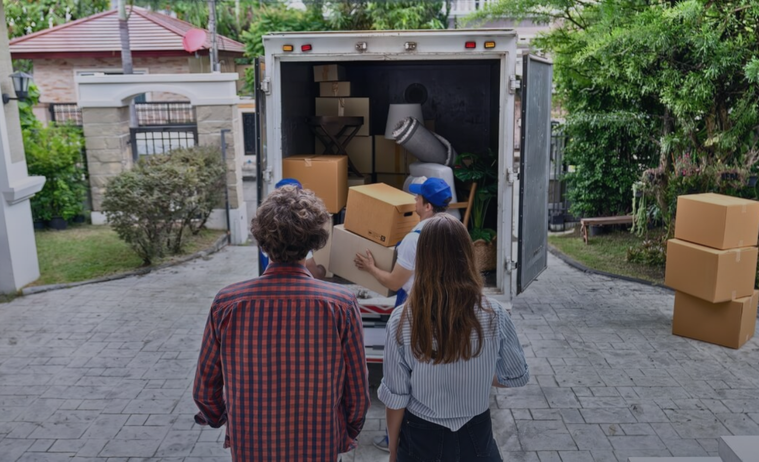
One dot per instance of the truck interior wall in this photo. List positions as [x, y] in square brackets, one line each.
[462, 98]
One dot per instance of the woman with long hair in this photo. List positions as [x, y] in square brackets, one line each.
[446, 346]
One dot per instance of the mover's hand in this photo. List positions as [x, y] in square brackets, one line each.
[364, 262]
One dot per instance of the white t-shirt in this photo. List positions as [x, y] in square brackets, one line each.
[407, 254]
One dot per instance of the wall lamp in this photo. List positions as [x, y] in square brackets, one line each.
[20, 86]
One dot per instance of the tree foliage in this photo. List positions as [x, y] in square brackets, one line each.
[686, 70]
[27, 16]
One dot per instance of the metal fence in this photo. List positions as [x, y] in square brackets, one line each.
[165, 113]
[558, 204]
[161, 139]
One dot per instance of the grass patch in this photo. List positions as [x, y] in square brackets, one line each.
[87, 252]
[608, 253]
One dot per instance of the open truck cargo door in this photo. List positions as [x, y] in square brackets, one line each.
[537, 77]
[261, 158]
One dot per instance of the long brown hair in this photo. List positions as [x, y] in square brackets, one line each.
[446, 293]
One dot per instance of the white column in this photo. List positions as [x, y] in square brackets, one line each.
[18, 249]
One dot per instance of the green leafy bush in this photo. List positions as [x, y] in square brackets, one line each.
[55, 152]
[651, 252]
[154, 205]
[482, 168]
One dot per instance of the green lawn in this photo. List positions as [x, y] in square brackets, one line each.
[607, 252]
[87, 252]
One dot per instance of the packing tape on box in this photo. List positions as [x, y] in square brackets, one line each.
[733, 297]
[740, 243]
[738, 256]
[307, 162]
[325, 72]
[335, 88]
[341, 107]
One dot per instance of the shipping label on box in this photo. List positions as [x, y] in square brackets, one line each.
[714, 220]
[345, 246]
[326, 176]
[321, 256]
[730, 324]
[380, 213]
[329, 73]
[345, 107]
[359, 151]
[710, 274]
[334, 89]
[390, 157]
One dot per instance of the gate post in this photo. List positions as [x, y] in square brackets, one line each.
[106, 131]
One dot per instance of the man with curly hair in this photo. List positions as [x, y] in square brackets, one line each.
[282, 362]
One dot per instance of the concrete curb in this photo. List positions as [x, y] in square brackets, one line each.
[220, 243]
[577, 265]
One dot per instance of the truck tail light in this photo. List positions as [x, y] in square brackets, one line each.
[470, 45]
[306, 48]
[287, 48]
[490, 44]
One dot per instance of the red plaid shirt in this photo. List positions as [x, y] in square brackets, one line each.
[283, 365]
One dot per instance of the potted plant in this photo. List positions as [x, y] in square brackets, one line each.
[482, 169]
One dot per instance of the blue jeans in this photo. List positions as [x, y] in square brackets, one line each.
[423, 441]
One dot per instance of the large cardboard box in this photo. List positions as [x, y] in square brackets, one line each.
[710, 274]
[321, 256]
[730, 324]
[380, 213]
[718, 221]
[359, 150]
[345, 107]
[390, 157]
[334, 89]
[345, 246]
[326, 176]
[329, 73]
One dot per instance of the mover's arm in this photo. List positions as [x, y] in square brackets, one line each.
[393, 280]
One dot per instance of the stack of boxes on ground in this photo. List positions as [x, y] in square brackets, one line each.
[711, 263]
[376, 215]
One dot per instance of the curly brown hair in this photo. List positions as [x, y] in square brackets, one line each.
[290, 223]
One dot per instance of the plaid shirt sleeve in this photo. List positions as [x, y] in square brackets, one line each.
[208, 390]
[356, 398]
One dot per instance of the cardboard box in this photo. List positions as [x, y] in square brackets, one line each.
[345, 107]
[718, 221]
[321, 256]
[334, 89]
[390, 157]
[359, 150]
[326, 176]
[730, 324]
[395, 180]
[358, 180]
[329, 73]
[380, 213]
[710, 274]
[345, 246]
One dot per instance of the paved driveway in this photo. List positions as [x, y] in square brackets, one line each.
[103, 372]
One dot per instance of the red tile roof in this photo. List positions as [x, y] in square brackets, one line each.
[149, 33]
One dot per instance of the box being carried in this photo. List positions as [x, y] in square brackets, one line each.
[710, 274]
[730, 324]
[714, 220]
[345, 246]
[326, 176]
[380, 213]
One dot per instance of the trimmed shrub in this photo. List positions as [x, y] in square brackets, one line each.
[163, 198]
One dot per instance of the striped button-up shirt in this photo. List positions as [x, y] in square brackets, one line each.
[283, 365]
[451, 394]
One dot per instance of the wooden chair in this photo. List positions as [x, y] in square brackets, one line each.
[466, 205]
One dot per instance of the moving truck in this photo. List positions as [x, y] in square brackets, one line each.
[466, 81]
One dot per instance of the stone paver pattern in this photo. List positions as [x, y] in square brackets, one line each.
[104, 372]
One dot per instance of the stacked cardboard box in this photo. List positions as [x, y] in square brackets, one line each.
[376, 218]
[711, 263]
[326, 176]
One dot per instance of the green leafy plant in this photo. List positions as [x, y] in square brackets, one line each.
[152, 206]
[483, 169]
[651, 252]
[55, 152]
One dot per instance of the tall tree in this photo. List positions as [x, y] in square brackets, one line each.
[126, 50]
[27, 16]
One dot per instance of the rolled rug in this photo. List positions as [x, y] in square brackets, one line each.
[422, 143]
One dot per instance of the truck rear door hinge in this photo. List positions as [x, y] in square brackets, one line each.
[510, 265]
[266, 86]
[514, 84]
[511, 175]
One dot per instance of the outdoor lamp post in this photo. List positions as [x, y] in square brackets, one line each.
[20, 86]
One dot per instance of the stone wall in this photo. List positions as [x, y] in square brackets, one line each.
[108, 153]
[211, 120]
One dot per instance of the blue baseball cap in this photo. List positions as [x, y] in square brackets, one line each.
[435, 190]
[288, 182]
